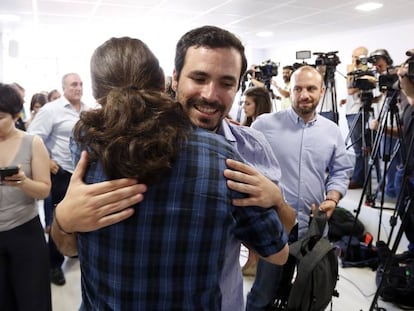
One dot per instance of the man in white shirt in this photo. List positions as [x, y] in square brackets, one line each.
[54, 123]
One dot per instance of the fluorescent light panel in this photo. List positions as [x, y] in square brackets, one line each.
[369, 6]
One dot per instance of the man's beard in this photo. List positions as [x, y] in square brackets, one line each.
[202, 106]
[307, 110]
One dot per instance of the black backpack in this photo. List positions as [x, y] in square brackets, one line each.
[341, 224]
[317, 269]
[398, 284]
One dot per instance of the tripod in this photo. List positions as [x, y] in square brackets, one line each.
[273, 97]
[365, 139]
[389, 111]
[388, 115]
[405, 206]
[329, 82]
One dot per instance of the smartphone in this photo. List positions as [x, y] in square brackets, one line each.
[8, 171]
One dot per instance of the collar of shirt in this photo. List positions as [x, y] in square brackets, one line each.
[67, 104]
[224, 130]
[298, 120]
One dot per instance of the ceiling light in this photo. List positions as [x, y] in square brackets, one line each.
[264, 34]
[369, 6]
[9, 18]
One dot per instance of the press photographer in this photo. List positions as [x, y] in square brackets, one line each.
[284, 91]
[358, 80]
[388, 114]
[406, 75]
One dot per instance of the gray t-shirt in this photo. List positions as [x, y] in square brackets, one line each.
[16, 207]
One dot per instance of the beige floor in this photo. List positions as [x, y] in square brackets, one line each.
[356, 286]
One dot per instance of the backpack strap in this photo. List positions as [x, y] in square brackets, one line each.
[309, 261]
[317, 224]
[315, 230]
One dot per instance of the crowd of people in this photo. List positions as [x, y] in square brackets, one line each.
[156, 190]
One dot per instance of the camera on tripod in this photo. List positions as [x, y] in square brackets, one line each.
[266, 70]
[329, 59]
[363, 80]
[389, 80]
[410, 63]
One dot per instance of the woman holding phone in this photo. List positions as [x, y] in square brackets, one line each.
[24, 257]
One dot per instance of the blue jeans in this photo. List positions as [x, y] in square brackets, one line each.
[356, 135]
[267, 282]
[390, 182]
[60, 183]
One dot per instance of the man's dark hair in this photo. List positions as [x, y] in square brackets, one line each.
[381, 53]
[210, 37]
[289, 67]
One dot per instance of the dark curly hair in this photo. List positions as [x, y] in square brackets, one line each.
[139, 129]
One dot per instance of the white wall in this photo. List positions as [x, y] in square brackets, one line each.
[396, 38]
[44, 57]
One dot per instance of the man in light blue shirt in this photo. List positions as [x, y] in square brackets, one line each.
[306, 146]
[54, 123]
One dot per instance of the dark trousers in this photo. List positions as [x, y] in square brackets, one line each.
[24, 268]
[60, 183]
[408, 192]
[270, 279]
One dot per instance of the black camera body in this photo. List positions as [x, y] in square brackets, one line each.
[329, 59]
[360, 80]
[266, 70]
[410, 70]
[388, 82]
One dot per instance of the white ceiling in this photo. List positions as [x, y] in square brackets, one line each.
[169, 19]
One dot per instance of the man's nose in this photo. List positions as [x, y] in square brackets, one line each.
[210, 91]
[304, 93]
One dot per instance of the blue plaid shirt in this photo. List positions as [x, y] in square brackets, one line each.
[169, 255]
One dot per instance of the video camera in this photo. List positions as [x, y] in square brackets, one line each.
[266, 70]
[361, 80]
[389, 81]
[329, 59]
[410, 63]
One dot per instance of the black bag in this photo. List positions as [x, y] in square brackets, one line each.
[317, 270]
[341, 223]
[358, 254]
[398, 284]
